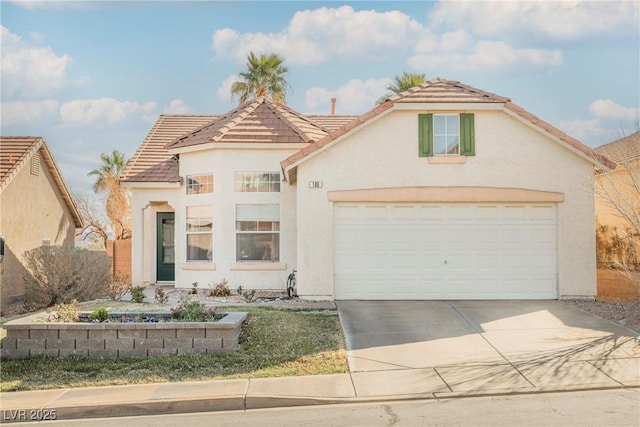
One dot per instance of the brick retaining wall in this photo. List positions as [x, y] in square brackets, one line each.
[26, 338]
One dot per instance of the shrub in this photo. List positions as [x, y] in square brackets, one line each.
[137, 293]
[221, 289]
[193, 311]
[99, 315]
[60, 274]
[118, 287]
[66, 313]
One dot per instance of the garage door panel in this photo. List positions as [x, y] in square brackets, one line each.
[433, 214]
[445, 252]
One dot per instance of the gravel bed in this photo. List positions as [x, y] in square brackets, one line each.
[625, 313]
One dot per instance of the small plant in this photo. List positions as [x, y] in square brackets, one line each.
[137, 294]
[239, 290]
[221, 289]
[249, 295]
[194, 288]
[99, 315]
[193, 311]
[118, 287]
[66, 313]
[161, 297]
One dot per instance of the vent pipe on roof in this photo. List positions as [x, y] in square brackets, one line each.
[333, 106]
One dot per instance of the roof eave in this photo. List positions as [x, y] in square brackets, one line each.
[598, 160]
[290, 164]
[64, 190]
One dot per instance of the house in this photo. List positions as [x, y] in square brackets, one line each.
[619, 186]
[442, 192]
[36, 208]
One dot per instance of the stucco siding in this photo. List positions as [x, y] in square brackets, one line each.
[31, 211]
[509, 154]
[222, 163]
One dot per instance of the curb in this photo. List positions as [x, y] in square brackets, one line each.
[52, 411]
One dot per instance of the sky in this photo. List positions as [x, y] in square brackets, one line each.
[94, 76]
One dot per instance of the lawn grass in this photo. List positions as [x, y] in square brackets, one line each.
[273, 343]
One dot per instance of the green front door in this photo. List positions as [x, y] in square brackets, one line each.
[165, 271]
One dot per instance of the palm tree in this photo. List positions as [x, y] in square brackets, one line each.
[402, 83]
[108, 180]
[264, 77]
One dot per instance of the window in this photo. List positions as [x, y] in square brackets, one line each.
[258, 232]
[446, 134]
[200, 184]
[258, 182]
[199, 233]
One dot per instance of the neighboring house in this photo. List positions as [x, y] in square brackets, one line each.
[442, 192]
[36, 207]
[618, 186]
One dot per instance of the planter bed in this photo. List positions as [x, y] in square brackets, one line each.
[31, 336]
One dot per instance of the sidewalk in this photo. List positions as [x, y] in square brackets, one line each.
[226, 395]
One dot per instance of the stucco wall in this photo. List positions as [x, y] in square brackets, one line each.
[508, 154]
[223, 163]
[618, 185]
[145, 204]
[31, 210]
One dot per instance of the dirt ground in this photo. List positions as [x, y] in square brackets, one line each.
[625, 313]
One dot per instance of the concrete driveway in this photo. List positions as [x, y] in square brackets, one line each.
[466, 346]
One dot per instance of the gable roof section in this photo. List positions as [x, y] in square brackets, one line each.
[622, 150]
[152, 161]
[331, 123]
[443, 91]
[257, 121]
[17, 151]
[440, 91]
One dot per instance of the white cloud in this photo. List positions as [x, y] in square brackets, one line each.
[109, 110]
[28, 70]
[609, 121]
[178, 106]
[354, 97]
[608, 109]
[315, 36]
[482, 55]
[563, 20]
[224, 91]
[48, 4]
[583, 130]
[17, 113]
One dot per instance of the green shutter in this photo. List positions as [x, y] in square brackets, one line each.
[425, 135]
[467, 135]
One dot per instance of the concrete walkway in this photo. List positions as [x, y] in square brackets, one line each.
[446, 349]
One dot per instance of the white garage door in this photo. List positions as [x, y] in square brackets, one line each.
[445, 251]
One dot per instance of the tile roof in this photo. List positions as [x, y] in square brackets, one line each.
[443, 91]
[152, 161]
[257, 121]
[15, 153]
[331, 123]
[440, 90]
[622, 150]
